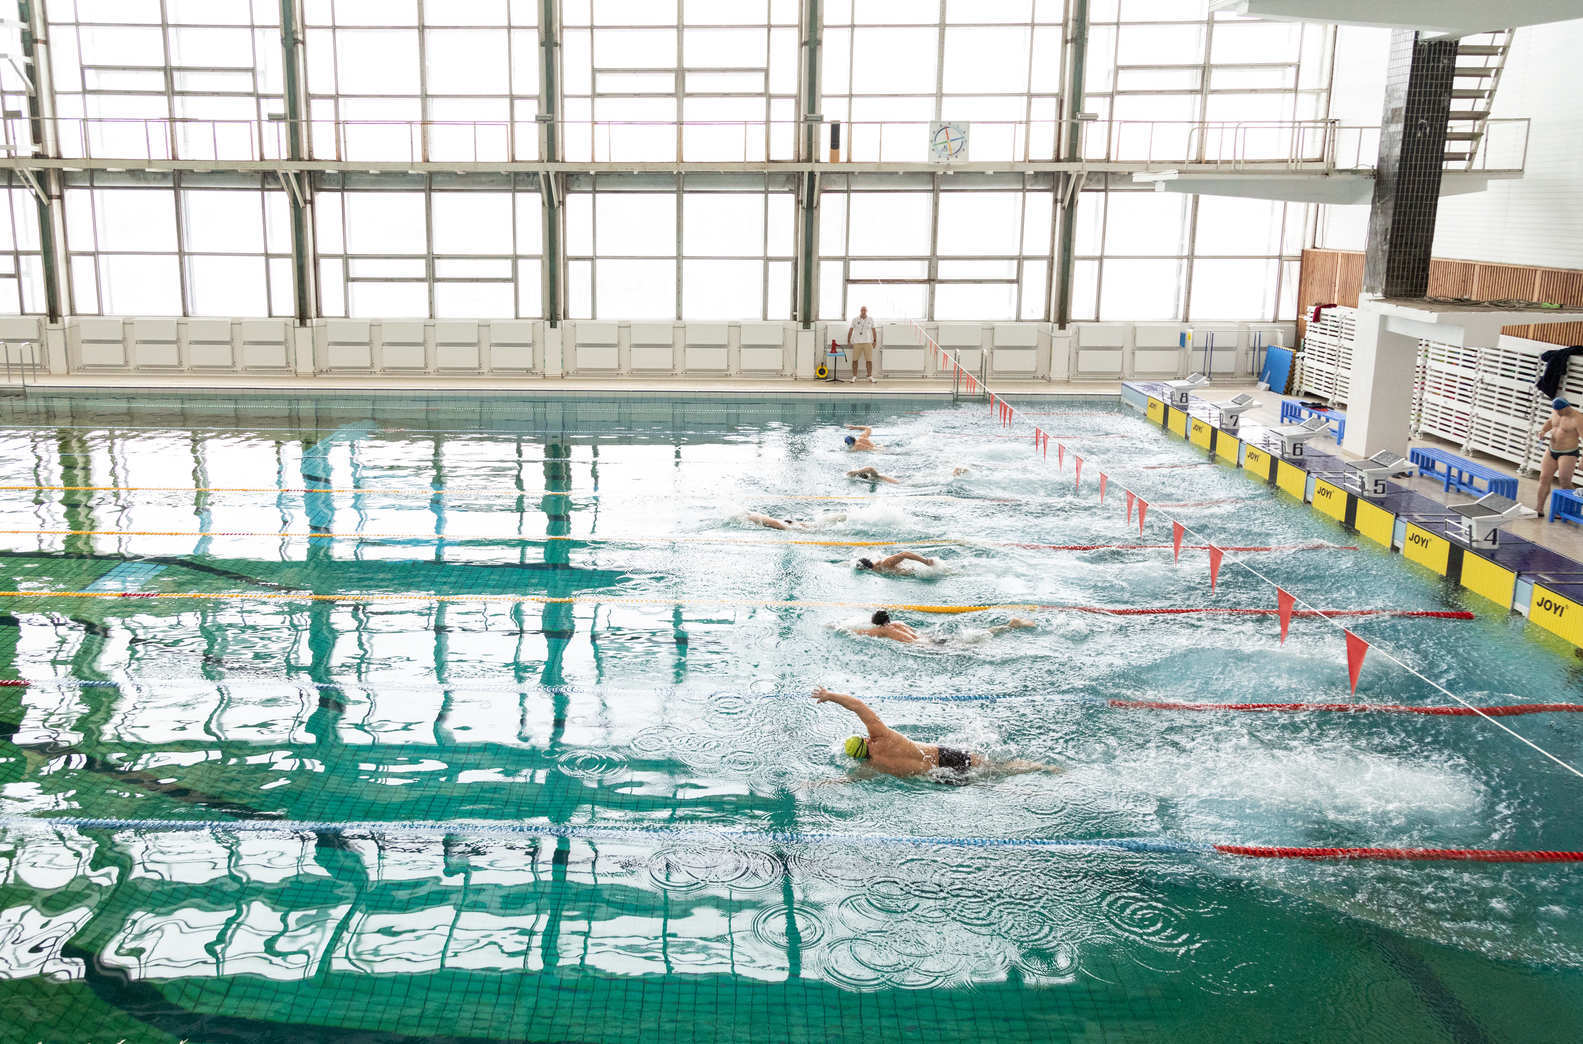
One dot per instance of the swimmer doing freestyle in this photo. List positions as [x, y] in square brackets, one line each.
[861, 441]
[872, 474]
[769, 522]
[891, 565]
[888, 751]
[885, 627]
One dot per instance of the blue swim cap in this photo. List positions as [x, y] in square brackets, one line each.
[1560, 404]
[850, 440]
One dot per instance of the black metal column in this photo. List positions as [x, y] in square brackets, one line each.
[1412, 155]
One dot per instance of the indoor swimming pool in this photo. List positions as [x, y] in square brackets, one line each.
[488, 718]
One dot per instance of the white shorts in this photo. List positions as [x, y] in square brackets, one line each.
[861, 351]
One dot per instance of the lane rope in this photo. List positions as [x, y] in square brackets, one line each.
[1499, 711]
[596, 832]
[740, 603]
[475, 538]
[1012, 414]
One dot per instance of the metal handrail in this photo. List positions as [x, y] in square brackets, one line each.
[18, 369]
[1324, 145]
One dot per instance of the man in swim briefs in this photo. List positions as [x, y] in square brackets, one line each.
[1563, 430]
[892, 565]
[888, 751]
[769, 522]
[885, 627]
[871, 474]
[860, 441]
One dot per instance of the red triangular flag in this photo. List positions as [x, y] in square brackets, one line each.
[1215, 555]
[1060, 454]
[1130, 499]
[1143, 505]
[1176, 541]
[1285, 602]
[1077, 483]
[1356, 648]
[1102, 479]
[1045, 442]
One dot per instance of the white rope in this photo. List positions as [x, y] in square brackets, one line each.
[1013, 412]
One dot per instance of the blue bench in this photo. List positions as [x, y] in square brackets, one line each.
[1295, 413]
[1566, 506]
[1461, 473]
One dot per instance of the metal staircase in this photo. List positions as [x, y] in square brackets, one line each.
[1480, 60]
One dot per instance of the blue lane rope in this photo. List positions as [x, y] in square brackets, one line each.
[592, 832]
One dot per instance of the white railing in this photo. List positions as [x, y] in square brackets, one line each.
[1314, 145]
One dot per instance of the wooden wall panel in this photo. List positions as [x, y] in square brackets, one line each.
[1336, 276]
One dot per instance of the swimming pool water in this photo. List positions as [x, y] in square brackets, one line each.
[584, 807]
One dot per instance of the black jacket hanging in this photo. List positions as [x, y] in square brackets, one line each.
[1555, 369]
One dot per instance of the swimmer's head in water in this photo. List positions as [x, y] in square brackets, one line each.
[880, 618]
[865, 563]
[857, 747]
[851, 440]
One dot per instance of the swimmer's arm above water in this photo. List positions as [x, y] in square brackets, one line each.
[866, 715]
[858, 427]
[899, 557]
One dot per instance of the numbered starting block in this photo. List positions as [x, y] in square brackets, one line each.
[1479, 523]
[1367, 478]
[1178, 391]
[1232, 409]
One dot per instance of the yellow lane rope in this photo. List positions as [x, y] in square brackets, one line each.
[450, 538]
[338, 489]
[738, 603]
[643, 541]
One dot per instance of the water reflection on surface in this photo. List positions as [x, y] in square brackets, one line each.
[635, 750]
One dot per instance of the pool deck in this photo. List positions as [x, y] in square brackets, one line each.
[1536, 551]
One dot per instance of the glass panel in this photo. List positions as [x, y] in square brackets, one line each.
[979, 301]
[635, 289]
[224, 286]
[979, 222]
[986, 61]
[1240, 289]
[135, 219]
[636, 224]
[1237, 226]
[472, 222]
[722, 225]
[385, 223]
[1145, 223]
[377, 61]
[1034, 275]
[722, 289]
[376, 300]
[223, 222]
[894, 61]
[890, 223]
[140, 285]
[474, 301]
[1141, 290]
[467, 61]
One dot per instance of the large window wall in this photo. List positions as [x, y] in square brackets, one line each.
[199, 79]
[1169, 256]
[211, 245]
[892, 66]
[953, 253]
[651, 80]
[417, 80]
[699, 247]
[657, 84]
[446, 247]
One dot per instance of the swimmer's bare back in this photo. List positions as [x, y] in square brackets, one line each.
[896, 632]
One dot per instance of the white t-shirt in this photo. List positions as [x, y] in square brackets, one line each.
[862, 330]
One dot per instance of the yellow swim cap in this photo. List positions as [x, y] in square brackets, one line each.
[857, 747]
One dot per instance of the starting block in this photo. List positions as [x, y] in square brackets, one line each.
[1232, 409]
[1368, 477]
[1479, 523]
[1177, 391]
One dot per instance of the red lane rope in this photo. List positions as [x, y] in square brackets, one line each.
[1435, 614]
[15, 682]
[1470, 855]
[1442, 711]
[1185, 547]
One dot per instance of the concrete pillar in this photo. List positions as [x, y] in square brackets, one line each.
[1380, 406]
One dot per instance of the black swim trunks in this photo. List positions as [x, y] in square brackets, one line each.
[959, 760]
[1558, 454]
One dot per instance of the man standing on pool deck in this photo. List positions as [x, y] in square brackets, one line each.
[862, 341]
[888, 751]
[1563, 431]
